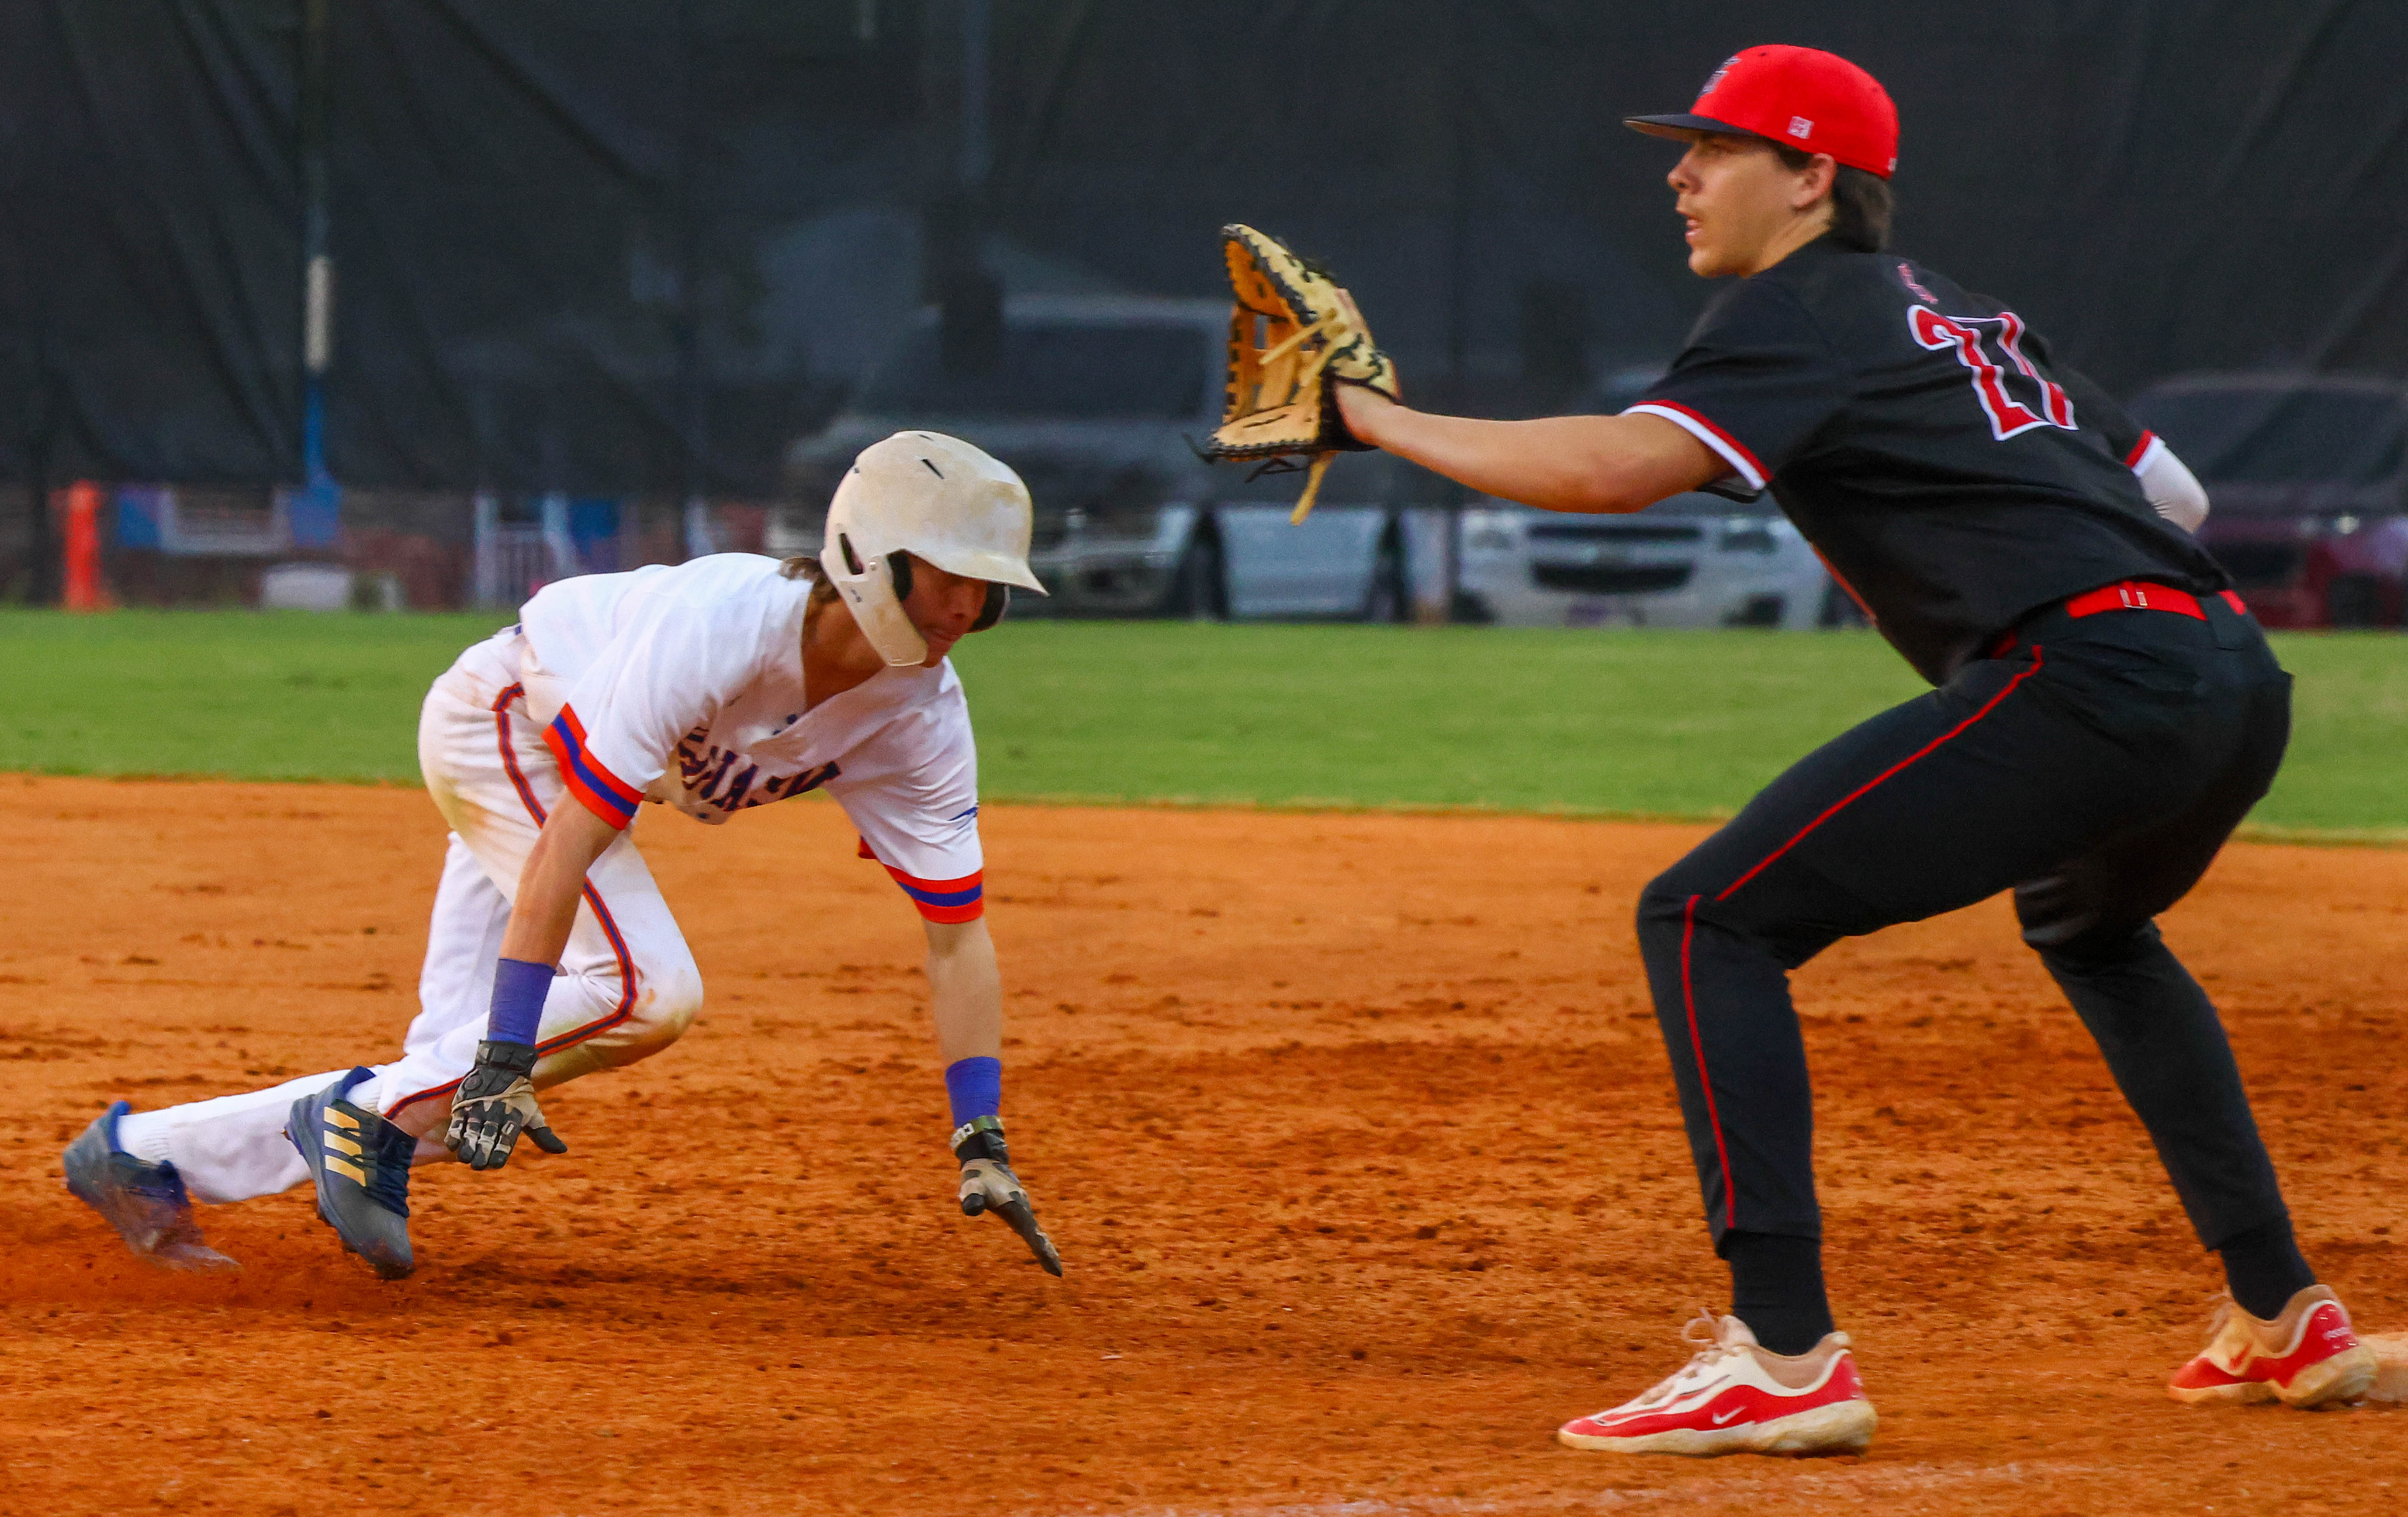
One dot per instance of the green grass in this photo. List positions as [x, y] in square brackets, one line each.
[1658, 723]
[247, 695]
[1651, 723]
[2347, 768]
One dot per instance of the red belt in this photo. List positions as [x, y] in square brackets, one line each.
[2141, 595]
[2133, 595]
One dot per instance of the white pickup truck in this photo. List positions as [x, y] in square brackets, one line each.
[1692, 561]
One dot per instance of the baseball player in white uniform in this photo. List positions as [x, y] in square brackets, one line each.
[713, 686]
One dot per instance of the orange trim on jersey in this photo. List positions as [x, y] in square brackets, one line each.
[602, 792]
[938, 900]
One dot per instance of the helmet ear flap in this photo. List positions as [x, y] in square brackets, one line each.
[998, 599]
[898, 574]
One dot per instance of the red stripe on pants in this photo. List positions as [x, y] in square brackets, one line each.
[1861, 791]
[592, 897]
[1705, 1081]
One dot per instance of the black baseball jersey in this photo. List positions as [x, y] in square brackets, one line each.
[1919, 436]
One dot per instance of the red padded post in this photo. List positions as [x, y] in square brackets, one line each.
[82, 548]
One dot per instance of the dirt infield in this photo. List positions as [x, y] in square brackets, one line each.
[1354, 1132]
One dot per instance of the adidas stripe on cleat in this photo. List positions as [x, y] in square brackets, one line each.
[1736, 1397]
[2307, 1356]
[361, 1165]
[145, 1202]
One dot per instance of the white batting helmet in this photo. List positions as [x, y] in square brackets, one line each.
[925, 494]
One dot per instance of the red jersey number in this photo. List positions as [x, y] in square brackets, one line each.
[1975, 338]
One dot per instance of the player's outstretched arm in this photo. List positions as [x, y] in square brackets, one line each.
[495, 1101]
[1581, 463]
[965, 997]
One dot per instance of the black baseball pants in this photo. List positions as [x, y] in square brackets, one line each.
[2093, 768]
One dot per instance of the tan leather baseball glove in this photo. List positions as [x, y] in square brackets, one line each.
[1293, 334]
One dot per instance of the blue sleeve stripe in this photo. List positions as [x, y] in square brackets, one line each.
[596, 788]
[942, 897]
[625, 808]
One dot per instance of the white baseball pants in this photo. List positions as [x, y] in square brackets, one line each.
[627, 985]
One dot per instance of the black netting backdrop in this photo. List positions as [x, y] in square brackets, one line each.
[637, 246]
[150, 251]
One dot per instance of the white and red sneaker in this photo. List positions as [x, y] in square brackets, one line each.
[1736, 1397]
[2306, 1357]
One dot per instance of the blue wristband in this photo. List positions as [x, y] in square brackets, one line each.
[519, 989]
[976, 1086]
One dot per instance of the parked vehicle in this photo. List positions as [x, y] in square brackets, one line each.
[1692, 561]
[1095, 401]
[2307, 486]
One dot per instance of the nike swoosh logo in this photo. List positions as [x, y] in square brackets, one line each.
[1724, 1417]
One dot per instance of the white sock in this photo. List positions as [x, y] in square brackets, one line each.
[144, 1135]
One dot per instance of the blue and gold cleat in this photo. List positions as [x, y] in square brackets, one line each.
[145, 1202]
[361, 1165]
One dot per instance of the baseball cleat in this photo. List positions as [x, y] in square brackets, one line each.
[2308, 1356]
[1736, 1397]
[360, 1164]
[145, 1202]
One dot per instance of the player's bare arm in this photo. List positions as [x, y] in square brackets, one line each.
[966, 1002]
[1586, 464]
[495, 1101]
[1744, 210]
[546, 906]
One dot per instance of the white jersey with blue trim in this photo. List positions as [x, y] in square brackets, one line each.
[683, 685]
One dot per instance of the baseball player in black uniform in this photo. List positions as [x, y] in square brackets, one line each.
[2104, 713]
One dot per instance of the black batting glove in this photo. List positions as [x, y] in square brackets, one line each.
[988, 1184]
[495, 1103]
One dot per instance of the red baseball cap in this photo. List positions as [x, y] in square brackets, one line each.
[1798, 98]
